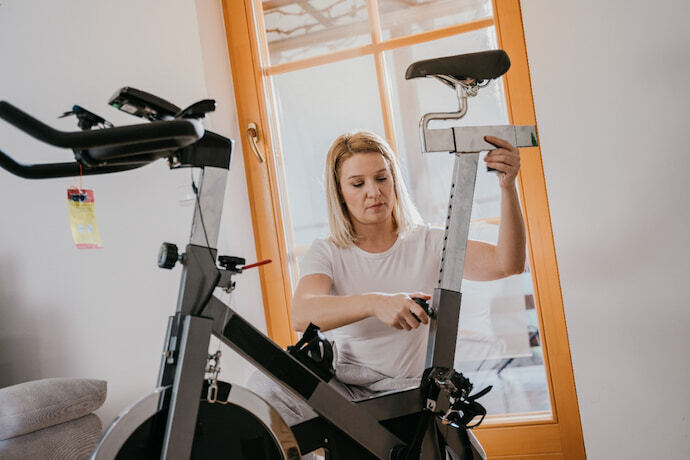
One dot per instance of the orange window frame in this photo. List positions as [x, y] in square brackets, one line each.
[529, 436]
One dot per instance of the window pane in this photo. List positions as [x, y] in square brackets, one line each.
[304, 28]
[498, 337]
[430, 184]
[406, 17]
[314, 107]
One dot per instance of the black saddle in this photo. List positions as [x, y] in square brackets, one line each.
[485, 65]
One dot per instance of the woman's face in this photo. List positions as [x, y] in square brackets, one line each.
[366, 185]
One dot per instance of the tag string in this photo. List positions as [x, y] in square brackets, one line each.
[81, 173]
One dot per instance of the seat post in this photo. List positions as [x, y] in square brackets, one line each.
[447, 297]
[465, 74]
[438, 140]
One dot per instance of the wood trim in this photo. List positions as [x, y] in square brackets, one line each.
[269, 5]
[519, 419]
[532, 186]
[520, 440]
[552, 456]
[277, 311]
[263, 195]
[322, 59]
[254, 6]
[273, 134]
[381, 75]
[374, 21]
[437, 34]
[388, 45]
[385, 100]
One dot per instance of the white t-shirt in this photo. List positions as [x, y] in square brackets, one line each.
[410, 265]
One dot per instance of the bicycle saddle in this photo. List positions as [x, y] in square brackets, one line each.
[485, 65]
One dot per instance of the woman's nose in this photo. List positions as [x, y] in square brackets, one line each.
[373, 190]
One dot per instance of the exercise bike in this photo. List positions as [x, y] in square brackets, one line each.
[191, 414]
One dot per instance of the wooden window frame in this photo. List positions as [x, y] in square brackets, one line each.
[556, 434]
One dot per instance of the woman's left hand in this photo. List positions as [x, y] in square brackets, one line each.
[505, 159]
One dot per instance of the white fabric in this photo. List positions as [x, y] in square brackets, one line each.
[410, 265]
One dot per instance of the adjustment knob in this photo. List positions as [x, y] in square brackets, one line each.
[425, 305]
[168, 255]
[231, 263]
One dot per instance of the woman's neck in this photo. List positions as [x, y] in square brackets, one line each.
[376, 238]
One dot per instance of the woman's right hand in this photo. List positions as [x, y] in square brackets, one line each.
[399, 310]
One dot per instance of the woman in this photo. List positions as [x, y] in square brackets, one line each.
[359, 283]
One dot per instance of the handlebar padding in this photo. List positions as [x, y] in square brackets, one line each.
[173, 133]
[54, 170]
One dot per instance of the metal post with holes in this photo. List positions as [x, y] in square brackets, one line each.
[465, 143]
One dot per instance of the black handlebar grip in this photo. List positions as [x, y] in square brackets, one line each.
[99, 151]
[173, 133]
[55, 170]
[425, 305]
[422, 303]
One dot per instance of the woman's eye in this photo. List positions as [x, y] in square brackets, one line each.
[382, 178]
[357, 184]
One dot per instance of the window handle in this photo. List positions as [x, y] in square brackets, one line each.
[252, 139]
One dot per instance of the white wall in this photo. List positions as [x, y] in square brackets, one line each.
[611, 98]
[102, 313]
[609, 88]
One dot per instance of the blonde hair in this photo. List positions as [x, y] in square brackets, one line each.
[405, 214]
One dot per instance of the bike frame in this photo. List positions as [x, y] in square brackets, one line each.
[361, 427]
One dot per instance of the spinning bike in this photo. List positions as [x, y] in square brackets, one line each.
[190, 416]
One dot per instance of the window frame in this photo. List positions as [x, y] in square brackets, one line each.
[557, 436]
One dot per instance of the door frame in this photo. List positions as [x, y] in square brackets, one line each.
[558, 435]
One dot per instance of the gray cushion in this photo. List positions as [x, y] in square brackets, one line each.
[39, 404]
[73, 440]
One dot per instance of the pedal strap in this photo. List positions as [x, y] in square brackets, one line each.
[455, 388]
[314, 351]
[470, 409]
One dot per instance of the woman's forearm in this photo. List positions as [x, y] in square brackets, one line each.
[398, 311]
[510, 249]
[329, 311]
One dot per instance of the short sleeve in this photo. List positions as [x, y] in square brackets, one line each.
[434, 239]
[317, 260]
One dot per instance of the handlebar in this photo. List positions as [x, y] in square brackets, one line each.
[100, 151]
[54, 170]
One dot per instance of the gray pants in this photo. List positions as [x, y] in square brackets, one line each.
[291, 407]
[294, 410]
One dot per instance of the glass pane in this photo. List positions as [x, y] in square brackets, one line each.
[304, 28]
[430, 184]
[498, 337]
[314, 106]
[406, 17]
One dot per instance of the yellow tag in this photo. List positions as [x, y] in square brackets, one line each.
[82, 219]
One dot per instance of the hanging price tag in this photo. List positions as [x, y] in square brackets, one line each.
[82, 219]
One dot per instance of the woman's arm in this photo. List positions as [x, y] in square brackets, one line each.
[313, 303]
[485, 261]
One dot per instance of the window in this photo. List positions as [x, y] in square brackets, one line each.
[317, 68]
